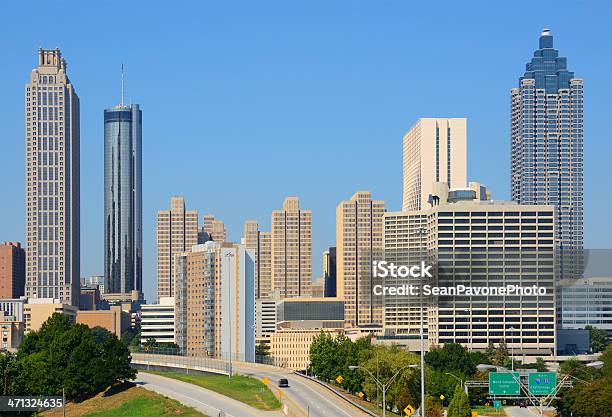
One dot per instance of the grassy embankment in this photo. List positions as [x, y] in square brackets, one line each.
[127, 401]
[246, 389]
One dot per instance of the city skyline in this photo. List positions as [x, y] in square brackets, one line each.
[221, 200]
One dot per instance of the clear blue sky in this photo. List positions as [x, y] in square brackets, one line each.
[245, 103]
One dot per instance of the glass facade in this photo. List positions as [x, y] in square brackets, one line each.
[547, 148]
[123, 198]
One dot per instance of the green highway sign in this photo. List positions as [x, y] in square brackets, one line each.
[497, 404]
[542, 383]
[504, 383]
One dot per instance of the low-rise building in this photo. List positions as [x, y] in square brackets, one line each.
[13, 307]
[290, 347]
[114, 320]
[38, 310]
[265, 319]
[157, 321]
[12, 332]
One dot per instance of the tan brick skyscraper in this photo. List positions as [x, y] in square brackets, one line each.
[292, 249]
[214, 227]
[261, 243]
[359, 242]
[177, 232]
[52, 181]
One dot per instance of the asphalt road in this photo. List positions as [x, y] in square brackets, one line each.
[522, 412]
[205, 401]
[307, 396]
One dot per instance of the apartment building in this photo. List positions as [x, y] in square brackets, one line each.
[291, 249]
[177, 232]
[359, 242]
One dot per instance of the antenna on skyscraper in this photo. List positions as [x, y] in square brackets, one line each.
[121, 83]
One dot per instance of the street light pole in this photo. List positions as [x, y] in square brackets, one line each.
[229, 312]
[385, 386]
[512, 329]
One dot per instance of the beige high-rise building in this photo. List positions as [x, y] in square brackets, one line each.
[291, 249]
[177, 232]
[261, 243]
[434, 151]
[215, 228]
[215, 301]
[359, 242]
[52, 148]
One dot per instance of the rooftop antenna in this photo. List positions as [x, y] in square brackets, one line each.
[121, 83]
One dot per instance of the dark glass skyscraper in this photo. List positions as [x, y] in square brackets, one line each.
[547, 148]
[123, 198]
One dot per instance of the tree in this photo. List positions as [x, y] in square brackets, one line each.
[598, 339]
[459, 406]
[62, 355]
[323, 358]
[500, 357]
[451, 357]
[592, 397]
[11, 375]
[433, 407]
[262, 350]
[540, 365]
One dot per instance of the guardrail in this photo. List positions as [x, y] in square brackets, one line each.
[151, 361]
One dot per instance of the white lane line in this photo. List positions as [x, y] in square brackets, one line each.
[322, 396]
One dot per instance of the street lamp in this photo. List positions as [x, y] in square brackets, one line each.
[512, 329]
[386, 385]
[456, 377]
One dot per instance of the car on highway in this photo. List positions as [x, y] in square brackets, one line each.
[283, 383]
[523, 404]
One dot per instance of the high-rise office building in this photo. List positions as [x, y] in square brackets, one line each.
[213, 229]
[261, 243]
[291, 249]
[547, 148]
[123, 198]
[52, 128]
[434, 151]
[12, 270]
[359, 242]
[177, 232]
[587, 302]
[481, 244]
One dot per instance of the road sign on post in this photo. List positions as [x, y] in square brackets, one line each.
[409, 410]
[542, 383]
[504, 383]
[497, 404]
[339, 379]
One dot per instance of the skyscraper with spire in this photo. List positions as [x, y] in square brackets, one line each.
[52, 132]
[547, 148]
[123, 197]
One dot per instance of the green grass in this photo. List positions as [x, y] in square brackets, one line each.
[246, 389]
[126, 401]
[145, 406]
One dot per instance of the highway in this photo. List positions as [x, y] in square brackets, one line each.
[306, 396]
[524, 412]
[205, 401]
